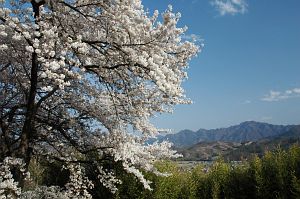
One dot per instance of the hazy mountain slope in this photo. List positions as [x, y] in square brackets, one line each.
[237, 151]
[183, 138]
[207, 150]
[284, 141]
[246, 131]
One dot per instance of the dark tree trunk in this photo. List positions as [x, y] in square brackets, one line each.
[25, 149]
[28, 128]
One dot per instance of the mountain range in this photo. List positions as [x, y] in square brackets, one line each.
[244, 132]
[234, 143]
[282, 141]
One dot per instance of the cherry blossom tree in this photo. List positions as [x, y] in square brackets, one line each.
[76, 75]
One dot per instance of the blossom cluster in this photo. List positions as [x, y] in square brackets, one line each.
[8, 186]
[79, 184]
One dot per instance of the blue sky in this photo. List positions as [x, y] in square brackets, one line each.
[249, 68]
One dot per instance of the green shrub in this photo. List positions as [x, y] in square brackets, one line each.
[275, 175]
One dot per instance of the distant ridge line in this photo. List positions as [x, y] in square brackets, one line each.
[243, 132]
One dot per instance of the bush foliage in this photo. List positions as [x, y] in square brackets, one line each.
[275, 175]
